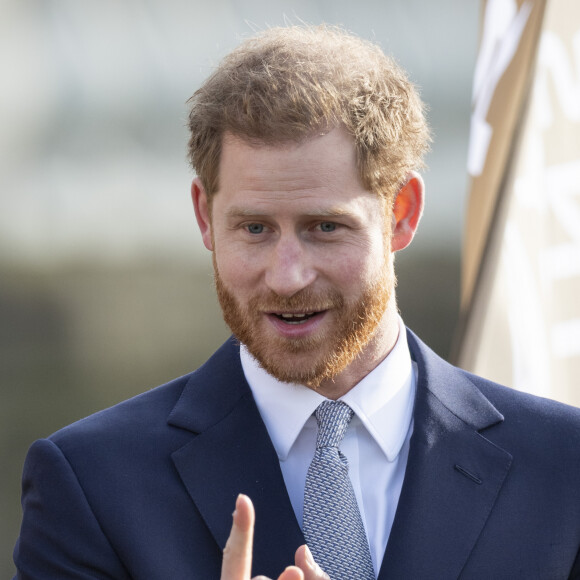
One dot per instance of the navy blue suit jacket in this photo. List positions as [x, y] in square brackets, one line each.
[146, 489]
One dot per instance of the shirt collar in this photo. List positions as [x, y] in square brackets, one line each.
[383, 400]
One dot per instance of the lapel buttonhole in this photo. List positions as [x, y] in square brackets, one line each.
[468, 474]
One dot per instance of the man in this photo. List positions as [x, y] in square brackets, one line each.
[343, 439]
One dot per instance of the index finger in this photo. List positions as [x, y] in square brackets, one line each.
[237, 561]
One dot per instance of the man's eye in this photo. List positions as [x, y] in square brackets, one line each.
[255, 228]
[327, 226]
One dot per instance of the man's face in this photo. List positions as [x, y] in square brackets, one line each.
[302, 260]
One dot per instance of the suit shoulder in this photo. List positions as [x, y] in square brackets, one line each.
[468, 394]
[512, 400]
[141, 414]
[147, 416]
[547, 424]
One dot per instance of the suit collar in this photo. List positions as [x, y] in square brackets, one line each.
[453, 475]
[464, 400]
[212, 391]
[231, 453]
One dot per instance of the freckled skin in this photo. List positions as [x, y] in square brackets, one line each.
[292, 226]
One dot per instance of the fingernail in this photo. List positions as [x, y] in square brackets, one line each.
[309, 558]
[236, 508]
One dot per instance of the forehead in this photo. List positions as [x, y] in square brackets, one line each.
[325, 161]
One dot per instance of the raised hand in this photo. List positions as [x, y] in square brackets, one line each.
[237, 562]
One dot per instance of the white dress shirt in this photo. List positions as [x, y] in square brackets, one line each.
[376, 443]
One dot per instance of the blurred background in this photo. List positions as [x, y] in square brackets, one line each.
[105, 288]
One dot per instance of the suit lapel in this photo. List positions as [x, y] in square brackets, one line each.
[231, 454]
[453, 474]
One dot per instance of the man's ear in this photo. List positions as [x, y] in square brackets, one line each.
[407, 211]
[202, 213]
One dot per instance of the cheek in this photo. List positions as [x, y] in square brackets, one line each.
[348, 276]
[235, 269]
[354, 266]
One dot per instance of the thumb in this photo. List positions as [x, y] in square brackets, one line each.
[305, 561]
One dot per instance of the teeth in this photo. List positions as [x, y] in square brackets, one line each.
[295, 318]
[296, 315]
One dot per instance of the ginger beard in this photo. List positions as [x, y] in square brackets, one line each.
[328, 352]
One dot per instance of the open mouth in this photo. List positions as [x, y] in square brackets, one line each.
[295, 317]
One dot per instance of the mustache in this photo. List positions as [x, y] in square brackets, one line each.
[305, 300]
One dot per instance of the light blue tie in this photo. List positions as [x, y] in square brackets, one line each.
[332, 523]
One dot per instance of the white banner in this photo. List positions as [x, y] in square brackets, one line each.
[521, 293]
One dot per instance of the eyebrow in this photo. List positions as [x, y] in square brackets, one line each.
[235, 212]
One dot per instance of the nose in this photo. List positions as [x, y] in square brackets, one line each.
[289, 268]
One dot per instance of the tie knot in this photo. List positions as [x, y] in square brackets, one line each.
[333, 418]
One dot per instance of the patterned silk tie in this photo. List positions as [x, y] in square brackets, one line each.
[332, 523]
